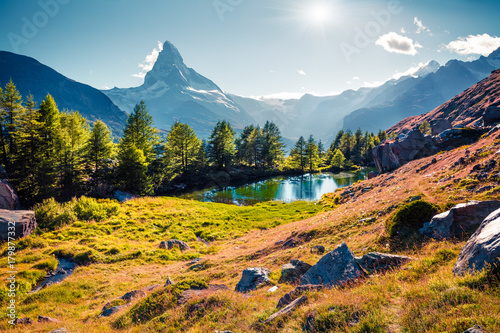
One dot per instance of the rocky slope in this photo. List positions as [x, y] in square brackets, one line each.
[174, 92]
[32, 77]
[477, 106]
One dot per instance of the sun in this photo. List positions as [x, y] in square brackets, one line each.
[318, 13]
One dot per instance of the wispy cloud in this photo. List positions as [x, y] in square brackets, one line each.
[393, 42]
[420, 26]
[480, 44]
[149, 62]
[301, 72]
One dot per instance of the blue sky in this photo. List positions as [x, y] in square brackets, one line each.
[250, 47]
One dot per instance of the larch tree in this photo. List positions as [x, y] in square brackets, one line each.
[273, 146]
[298, 153]
[183, 147]
[221, 145]
[11, 102]
[98, 151]
[312, 154]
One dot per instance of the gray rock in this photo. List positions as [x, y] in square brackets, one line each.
[375, 261]
[8, 196]
[440, 126]
[336, 268]
[491, 115]
[294, 294]
[476, 329]
[23, 221]
[252, 278]
[292, 242]
[287, 309]
[293, 271]
[372, 174]
[24, 321]
[460, 219]
[135, 294]
[43, 319]
[111, 311]
[183, 246]
[60, 330]
[482, 249]
[123, 196]
[318, 248]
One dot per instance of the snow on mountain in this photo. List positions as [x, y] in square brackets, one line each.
[174, 92]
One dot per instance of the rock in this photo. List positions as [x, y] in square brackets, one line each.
[309, 325]
[293, 271]
[491, 115]
[287, 309]
[440, 126]
[375, 261]
[461, 218]
[123, 196]
[336, 268]
[23, 220]
[415, 198]
[318, 249]
[252, 278]
[135, 294]
[174, 242]
[294, 294]
[111, 311]
[292, 242]
[43, 319]
[372, 174]
[60, 330]
[476, 329]
[24, 321]
[169, 281]
[392, 154]
[482, 249]
[8, 195]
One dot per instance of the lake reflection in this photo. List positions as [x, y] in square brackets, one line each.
[282, 188]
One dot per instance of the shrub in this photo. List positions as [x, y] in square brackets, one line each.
[52, 215]
[91, 209]
[410, 217]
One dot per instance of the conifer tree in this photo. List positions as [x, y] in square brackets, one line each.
[132, 170]
[338, 159]
[183, 146]
[312, 154]
[99, 149]
[12, 106]
[221, 145]
[273, 145]
[27, 158]
[298, 153]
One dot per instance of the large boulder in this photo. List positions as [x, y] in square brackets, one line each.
[476, 329]
[23, 221]
[297, 292]
[336, 268]
[379, 262]
[482, 249]
[293, 271]
[460, 219]
[440, 126]
[491, 115]
[252, 278]
[392, 154]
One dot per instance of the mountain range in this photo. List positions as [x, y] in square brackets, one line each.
[32, 77]
[174, 92]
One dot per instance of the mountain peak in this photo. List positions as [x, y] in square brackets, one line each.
[495, 54]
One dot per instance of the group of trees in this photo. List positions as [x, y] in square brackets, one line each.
[346, 151]
[49, 153]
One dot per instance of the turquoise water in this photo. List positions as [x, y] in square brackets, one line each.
[282, 188]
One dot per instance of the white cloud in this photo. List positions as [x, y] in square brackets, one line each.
[356, 78]
[480, 44]
[301, 72]
[372, 84]
[149, 62]
[420, 26]
[403, 30]
[393, 42]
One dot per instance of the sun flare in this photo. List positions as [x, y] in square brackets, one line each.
[318, 13]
